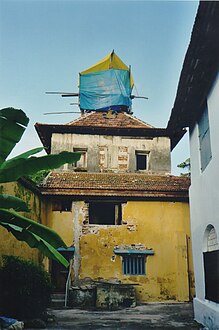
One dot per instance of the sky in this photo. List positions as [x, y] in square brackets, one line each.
[44, 44]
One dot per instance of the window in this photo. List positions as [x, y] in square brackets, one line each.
[82, 162]
[105, 213]
[211, 264]
[141, 160]
[62, 206]
[204, 139]
[133, 265]
[133, 260]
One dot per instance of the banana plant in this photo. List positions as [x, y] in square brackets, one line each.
[13, 123]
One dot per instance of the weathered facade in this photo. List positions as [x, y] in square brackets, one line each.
[8, 244]
[126, 217]
[123, 216]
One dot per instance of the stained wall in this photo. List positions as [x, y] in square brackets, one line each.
[162, 226]
[116, 153]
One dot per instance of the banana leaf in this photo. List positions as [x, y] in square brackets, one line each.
[29, 153]
[45, 233]
[13, 123]
[12, 202]
[34, 241]
[13, 169]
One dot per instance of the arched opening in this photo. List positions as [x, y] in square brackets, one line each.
[211, 264]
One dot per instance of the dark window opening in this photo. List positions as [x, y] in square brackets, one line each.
[59, 273]
[211, 267]
[105, 213]
[141, 161]
[133, 265]
[62, 206]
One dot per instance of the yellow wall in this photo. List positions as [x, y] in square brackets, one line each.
[9, 245]
[61, 222]
[162, 226]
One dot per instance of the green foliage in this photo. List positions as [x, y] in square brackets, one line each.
[39, 176]
[185, 166]
[25, 288]
[12, 125]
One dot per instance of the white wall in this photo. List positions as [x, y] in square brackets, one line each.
[204, 205]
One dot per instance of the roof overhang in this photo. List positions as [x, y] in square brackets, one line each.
[199, 71]
[111, 186]
[45, 132]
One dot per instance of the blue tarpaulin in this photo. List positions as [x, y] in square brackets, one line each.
[105, 89]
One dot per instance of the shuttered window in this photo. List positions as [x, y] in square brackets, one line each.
[204, 139]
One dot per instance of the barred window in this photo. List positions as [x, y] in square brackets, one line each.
[134, 265]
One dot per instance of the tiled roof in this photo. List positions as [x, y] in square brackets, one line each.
[115, 184]
[108, 119]
[101, 123]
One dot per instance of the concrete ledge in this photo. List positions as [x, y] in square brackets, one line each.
[206, 313]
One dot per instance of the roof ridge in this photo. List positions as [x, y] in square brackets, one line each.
[139, 120]
[79, 118]
[119, 114]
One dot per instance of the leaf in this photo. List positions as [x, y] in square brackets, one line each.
[12, 126]
[12, 202]
[29, 153]
[49, 235]
[13, 169]
[34, 241]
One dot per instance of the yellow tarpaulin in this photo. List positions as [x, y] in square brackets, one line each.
[111, 61]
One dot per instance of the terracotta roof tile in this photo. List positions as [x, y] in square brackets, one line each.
[114, 184]
[111, 120]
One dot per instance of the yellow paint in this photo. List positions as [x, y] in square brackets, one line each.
[162, 226]
[61, 222]
[9, 245]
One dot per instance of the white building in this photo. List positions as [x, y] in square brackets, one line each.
[197, 107]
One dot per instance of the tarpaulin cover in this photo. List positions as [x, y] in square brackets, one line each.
[111, 61]
[108, 88]
[106, 84]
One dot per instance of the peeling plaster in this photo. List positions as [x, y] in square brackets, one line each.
[78, 213]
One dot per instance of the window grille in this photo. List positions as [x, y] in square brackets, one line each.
[133, 265]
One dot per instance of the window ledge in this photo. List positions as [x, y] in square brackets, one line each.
[69, 249]
[133, 251]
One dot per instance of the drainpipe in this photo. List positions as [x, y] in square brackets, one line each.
[68, 282]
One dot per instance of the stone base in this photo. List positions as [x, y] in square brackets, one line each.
[83, 296]
[206, 313]
[103, 295]
[114, 296]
